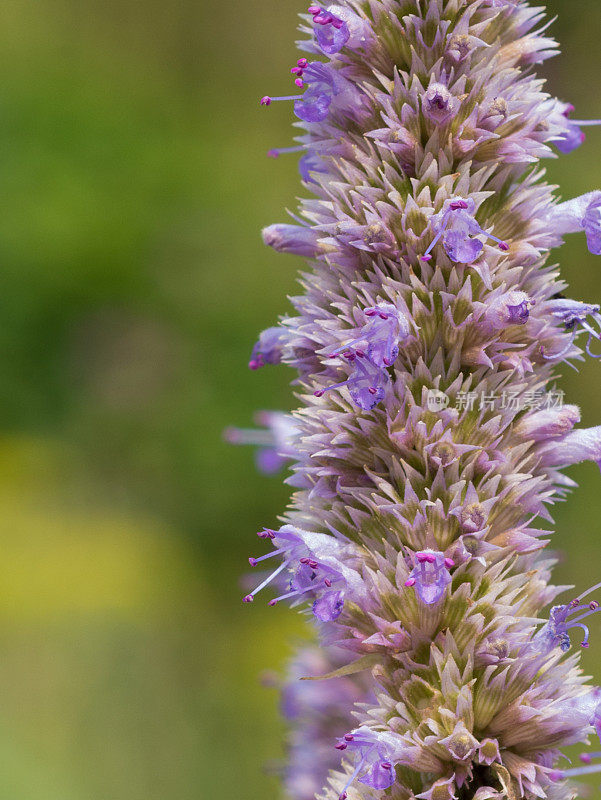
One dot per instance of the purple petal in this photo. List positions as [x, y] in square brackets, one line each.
[269, 461]
[329, 607]
[331, 39]
[461, 248]
[379, 777]
[314, 106]
[592, 227]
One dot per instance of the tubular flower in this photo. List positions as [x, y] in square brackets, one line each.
[581, 214]
[268, 348]
[429, 447]
[375, 758]
[457, 227]
[555, 632]
[571, 135]
[294, 239]
[274, 443]
[430, 576]
[577, 318]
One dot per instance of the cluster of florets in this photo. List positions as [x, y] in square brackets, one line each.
[411, 538]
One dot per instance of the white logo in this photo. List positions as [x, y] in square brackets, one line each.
[437, 400]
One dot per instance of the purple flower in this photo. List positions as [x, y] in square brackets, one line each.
[275, 444]
[331, 31]
[314, 566]
[375, 757]
[571, 136]
[508, 308]
[294, 239]
[384, 329]
[432, 110]
[580, 214]
[366, 383]
[269, 348]
[562, 619]
[577, 317]
[430, 576]
[327, 87]
[337, 27]
[457, 227]
[326, 90]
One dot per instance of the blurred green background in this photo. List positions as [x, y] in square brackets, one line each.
[134, 184]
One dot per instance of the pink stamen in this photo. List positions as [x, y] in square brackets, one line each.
[267, 100]
[278, 151]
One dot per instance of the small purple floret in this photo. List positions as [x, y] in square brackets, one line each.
[456, 226]
[374, 758]
[430, 575]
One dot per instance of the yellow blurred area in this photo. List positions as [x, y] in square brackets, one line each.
[58, 559]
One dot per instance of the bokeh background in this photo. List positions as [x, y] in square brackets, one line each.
[133, 283]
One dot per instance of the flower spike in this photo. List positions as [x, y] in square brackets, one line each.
[431, 438]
